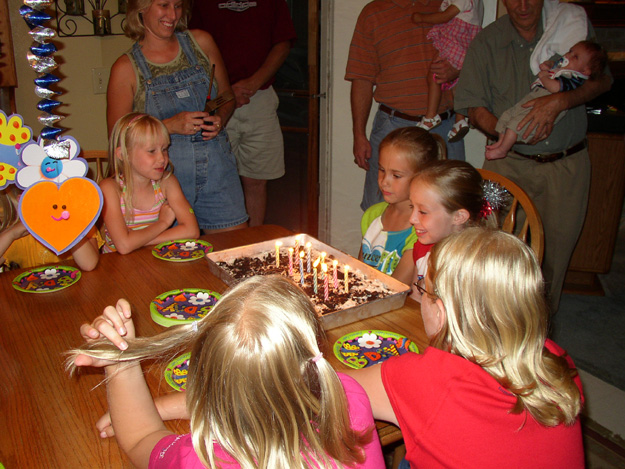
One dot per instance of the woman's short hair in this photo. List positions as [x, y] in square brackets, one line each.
[133, 26]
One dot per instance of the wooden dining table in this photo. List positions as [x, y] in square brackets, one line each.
[47, 418]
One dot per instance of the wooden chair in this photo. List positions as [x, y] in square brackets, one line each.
[532, 226]
[99, 158]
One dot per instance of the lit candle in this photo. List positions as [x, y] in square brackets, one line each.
[323, 257]
[301, 267]
[315, 275]
[308, 256]
[278, 244]
[290, 262]
[335, 277]
[346, 278]
[297, 243]
[326, 291]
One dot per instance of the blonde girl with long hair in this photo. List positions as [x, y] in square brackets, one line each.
[142, 197]
[491, 390]
[259, 391]
[388, 236]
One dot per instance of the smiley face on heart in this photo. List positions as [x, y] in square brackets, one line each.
[60, 215]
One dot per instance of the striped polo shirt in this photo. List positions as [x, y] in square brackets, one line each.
[394, 54]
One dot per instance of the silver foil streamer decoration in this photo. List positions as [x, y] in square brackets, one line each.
[56, 149]
[41, 64]
[44, 93]
[39, 4]
[48, 119]
[42, 34]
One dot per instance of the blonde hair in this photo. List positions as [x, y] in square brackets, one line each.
[496, 316]
[130, 130]
[418, 145]
[9, 200]
[459, 186]
[253, 386]
[133, 26]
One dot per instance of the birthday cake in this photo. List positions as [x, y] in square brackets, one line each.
[361, 289]
[362, 292]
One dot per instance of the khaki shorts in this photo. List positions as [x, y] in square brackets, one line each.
[256, 138]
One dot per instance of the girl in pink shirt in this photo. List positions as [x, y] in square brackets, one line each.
[259, 391]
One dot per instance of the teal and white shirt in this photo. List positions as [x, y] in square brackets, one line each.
[383, 249]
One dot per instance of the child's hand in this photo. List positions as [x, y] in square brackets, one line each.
[114, 323]
[546, 65]
[105, 426]
[167, 214]
[417, 18]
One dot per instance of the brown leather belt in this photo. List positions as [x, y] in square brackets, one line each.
[392, 112]
[550, 157]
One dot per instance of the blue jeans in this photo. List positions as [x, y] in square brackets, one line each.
[403, 464]
[384, 124]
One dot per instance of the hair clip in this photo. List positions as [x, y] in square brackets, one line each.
[318, 357]
[194, 326]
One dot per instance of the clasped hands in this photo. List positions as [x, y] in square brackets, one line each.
[189, 123]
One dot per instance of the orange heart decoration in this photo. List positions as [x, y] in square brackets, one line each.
[60, 215]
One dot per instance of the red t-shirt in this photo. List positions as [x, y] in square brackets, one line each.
[452, 413]
[244, 31]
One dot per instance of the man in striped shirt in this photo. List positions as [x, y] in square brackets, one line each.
[388, 62]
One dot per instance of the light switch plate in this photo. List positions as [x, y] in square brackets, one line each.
[100, 78]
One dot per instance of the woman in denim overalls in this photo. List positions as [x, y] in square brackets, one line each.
[165, 75]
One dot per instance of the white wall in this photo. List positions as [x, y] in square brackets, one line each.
[341, 180]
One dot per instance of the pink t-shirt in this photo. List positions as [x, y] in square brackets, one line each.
[176, 451]
[452, 413]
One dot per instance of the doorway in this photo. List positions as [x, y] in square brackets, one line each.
[293, 199]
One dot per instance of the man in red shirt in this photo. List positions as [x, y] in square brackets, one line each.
[254, 38]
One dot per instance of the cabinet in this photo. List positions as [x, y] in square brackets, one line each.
[595, 248]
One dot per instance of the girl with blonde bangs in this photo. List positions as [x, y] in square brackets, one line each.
[124, 137]
[142, 197]
[259, 392]
[491, 390]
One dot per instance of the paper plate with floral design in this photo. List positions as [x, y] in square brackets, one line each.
[46, 279]
[177, 307]
[182, 250]
[176, 372]
[365, 348]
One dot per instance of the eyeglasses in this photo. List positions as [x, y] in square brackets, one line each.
[422, 290]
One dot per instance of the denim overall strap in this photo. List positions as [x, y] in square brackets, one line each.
[206, 169]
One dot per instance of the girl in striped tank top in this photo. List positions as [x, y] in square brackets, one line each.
[142, 197]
